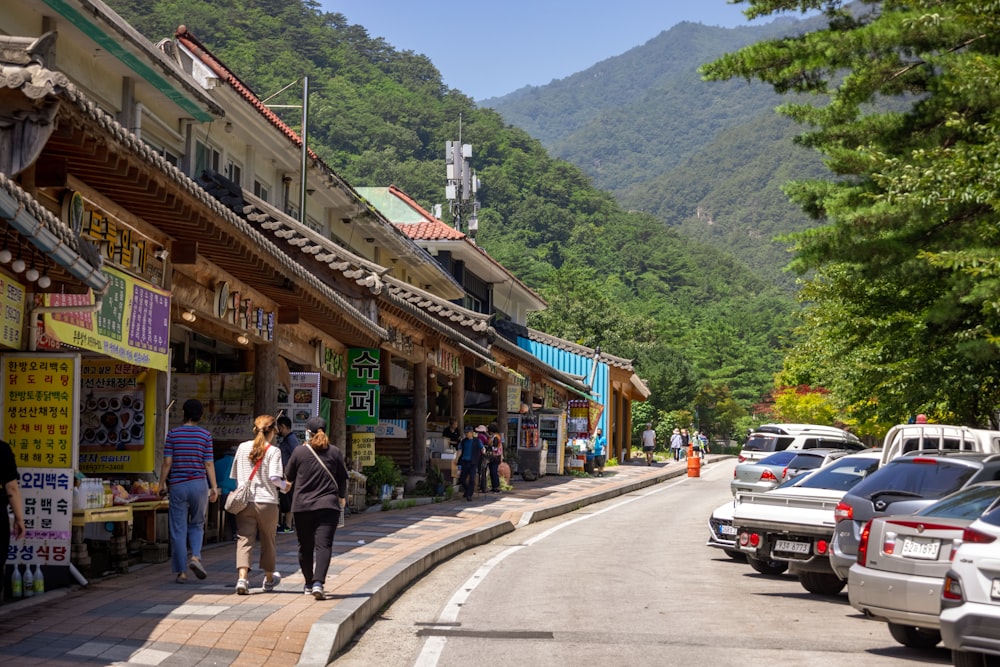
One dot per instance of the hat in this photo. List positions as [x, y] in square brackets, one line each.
[316, 424]
[480, 429]
[469, 428]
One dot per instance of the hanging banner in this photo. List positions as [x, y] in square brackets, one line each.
[132, 324]
[117, 428]
[40, 408]
[47, 496]
[363, 374]
[363, 449]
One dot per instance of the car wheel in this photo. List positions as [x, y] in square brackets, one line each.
[821, 583]
[972, 659]
[915, 637]
[734, 554]
[767, 566]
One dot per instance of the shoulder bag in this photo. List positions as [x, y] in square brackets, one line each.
[238, 500]
[340, 522]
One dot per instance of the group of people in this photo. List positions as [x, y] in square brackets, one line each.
[680, 439]
[307, 484]
[479, 452]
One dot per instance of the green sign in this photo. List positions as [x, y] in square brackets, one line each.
[362, 386]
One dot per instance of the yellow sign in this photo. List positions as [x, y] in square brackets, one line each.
[132, 323]
[117, 429]
[39, 408]
[363, 449]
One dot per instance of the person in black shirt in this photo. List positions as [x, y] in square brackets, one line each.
[9, 480]
[452, 433]
[471, 453]
[318, 477]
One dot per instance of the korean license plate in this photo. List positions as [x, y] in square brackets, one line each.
[727, 530]
[792, 547]
[920, 547]
[995, 589]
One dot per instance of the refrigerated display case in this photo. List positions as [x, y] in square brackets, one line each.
[552, 432]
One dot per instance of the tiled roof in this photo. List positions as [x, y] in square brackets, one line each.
[576, 348]
[515, 351]
[429, 231]
[115, 131]
[455, 315]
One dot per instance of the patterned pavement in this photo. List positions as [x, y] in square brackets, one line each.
[145, 618]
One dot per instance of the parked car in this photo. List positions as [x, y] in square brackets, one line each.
[902, 561]
[906, 438]
[904, 485]
[769, 438]
[808, 460]
[721, 533]
[970, 595]
[760, 475]
[794, 523]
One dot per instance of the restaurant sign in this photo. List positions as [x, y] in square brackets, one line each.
[131, 324]
[363, 373]
[40, 409]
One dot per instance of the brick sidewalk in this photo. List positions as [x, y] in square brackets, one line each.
[144, 618]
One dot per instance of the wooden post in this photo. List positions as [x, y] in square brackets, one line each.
[265, 380]
[420, 417]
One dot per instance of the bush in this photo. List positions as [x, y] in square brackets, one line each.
[384, 471]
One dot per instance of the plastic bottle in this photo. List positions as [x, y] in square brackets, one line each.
[39, 580]
[28, 582]
[106, 493]
[16, 583]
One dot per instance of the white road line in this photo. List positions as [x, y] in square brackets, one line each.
[434, 646]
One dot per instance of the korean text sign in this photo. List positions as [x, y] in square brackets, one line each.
[47, 494]
[40, 408]
[363, 374]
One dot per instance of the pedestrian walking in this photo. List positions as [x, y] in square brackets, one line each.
[685, 441]
[227, 485]
[287, 442]
[471, 452]
[482, 432]
[676, 443]
[188, 477]
[702, 444]
[260, 460]
[317, 476]
[649, 443]
[600, 451]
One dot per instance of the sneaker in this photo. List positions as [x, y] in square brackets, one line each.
[317, 591]
[242, 587]
[269, 585]
[307, 589]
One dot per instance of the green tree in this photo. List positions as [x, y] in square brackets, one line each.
[901, 98]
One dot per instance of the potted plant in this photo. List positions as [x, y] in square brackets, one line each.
[383, 473]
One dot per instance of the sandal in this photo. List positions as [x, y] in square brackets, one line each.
[197, 568]
[181, 578]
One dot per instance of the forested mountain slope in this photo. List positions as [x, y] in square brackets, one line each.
[707, 158]
[689, 313]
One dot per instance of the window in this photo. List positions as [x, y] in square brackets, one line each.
[205, 157]
[234, 172]
[260, 190]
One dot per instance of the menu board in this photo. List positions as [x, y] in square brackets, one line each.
[301, 401]
[131, 325]
[228, 400]
[116, 430]
[40, 408]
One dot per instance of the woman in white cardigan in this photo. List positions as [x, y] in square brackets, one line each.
[260, 517]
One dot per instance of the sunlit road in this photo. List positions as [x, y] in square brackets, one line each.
[626, 582]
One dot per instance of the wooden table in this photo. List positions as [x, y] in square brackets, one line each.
[146, 511]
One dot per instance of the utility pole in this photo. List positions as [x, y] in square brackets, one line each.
[463, 184]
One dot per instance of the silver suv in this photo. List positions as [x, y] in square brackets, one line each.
[769, 438]
[904, 485]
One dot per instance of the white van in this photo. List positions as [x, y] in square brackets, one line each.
[907, 438]
[769, 438]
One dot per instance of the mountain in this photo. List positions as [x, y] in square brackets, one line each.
[691, 314]
[707, 158]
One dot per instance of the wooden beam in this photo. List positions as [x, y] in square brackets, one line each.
[184, 252]
[288, 314]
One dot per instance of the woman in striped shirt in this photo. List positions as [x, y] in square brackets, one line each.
[189, 472]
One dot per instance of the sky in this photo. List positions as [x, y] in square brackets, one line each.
[489, 49]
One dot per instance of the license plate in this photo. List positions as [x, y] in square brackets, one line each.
[792, 547]
[727, 530]
[995, 589]
[920, 547]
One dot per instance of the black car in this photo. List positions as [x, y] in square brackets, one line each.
[904, 485]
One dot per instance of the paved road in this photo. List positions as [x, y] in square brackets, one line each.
[144, 618]
[624, 582]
